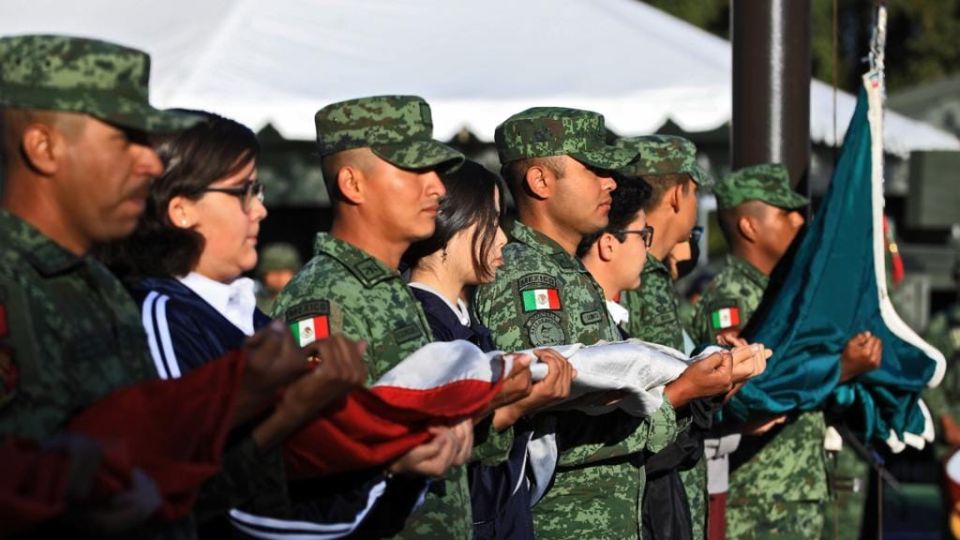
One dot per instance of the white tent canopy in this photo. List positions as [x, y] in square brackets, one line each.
[277, 62]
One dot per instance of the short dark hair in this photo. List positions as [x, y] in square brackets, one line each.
[630, 197]
[660, 183]
[515, 172]
[469, 200]
[193, 159]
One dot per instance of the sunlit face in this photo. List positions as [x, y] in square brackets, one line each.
[229, 232]
[631, 255]
[107, 174]
[777, 228]
[403, 202]
[687, 215]
[582, 198]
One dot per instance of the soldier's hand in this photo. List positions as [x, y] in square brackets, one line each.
[861, 354]
[432, 458]
[709, 377]
[517, 384]
[749, 361]
[124, 510]
[730, 338]
[463, 441]
[553, 388]
[339, 368]
[755, 428]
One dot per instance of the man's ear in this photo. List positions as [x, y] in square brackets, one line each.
[539, 182]
[352, 184]
[748, 229]
[673, 196]
[607, 246]
[42, 147]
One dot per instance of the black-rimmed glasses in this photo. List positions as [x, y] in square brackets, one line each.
[646, 234]
[249, 190]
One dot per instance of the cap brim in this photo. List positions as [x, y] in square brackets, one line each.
[135, 115]
[427, 154]
[793, 201]
[703, 179]
[610, 158]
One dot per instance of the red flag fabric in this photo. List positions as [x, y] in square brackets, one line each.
[174, 430]
[437, 385]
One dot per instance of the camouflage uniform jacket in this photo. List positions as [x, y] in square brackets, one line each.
[654, 307]
[544, 296]
[69, 335]
[786, 464]
[943, 332]
[73, 334]
[363, 299]
[655, 317]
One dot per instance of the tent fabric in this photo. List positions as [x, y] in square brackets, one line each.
[834, 287]
[476, 63]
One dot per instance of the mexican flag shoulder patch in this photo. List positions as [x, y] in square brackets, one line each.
[724, 318]
[309, 321]
[541, 300]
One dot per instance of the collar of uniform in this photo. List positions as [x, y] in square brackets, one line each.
[654, 264]
[547, 246]
[366, 268]
[48, 257]
[748, 270]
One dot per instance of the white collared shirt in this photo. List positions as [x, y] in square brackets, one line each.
[460, 310]
[236, 301]
[618, 313]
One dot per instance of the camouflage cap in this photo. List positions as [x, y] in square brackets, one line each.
[398, 129]
[665, 154]
[769, 183]
[102, 79]
[279, 256]
[557, 131]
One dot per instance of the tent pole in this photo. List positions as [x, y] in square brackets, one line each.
[771, 85]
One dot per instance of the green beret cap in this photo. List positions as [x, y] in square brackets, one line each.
[768, 183]
[398, 129]
[102, 79]
[665, 154]
[557, 131]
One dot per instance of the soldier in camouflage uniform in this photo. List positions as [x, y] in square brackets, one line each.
[76, 171]
[380, 164]
[557, 167]
[778, 481]
[668, 165]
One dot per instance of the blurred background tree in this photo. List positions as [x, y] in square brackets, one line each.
[922, 41]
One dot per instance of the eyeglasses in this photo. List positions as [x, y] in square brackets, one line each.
[646, 234]
[249, 190]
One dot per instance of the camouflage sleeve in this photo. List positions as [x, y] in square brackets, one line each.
[32, 377]
[524, 311]
[653, 312]
[490, 446]
[585, 439]
[716, 316]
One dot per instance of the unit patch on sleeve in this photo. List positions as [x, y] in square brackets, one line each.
[309, 321]
[539, 292]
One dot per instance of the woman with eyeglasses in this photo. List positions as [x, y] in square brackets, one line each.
[464, 251]
[184, 266]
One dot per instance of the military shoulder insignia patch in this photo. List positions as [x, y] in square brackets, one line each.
[309, 321]
[723, 318]
[539, 292]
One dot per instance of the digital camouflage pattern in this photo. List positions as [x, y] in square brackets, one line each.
[398, 129]
[73, 332]
[784, 469]
[558, 131]
[365, 300]
[769, 183]
[943, 332]
[664, 154]
[654, 307]
[598, 488]
[655, 317]
[70, 335]
[105, 80]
